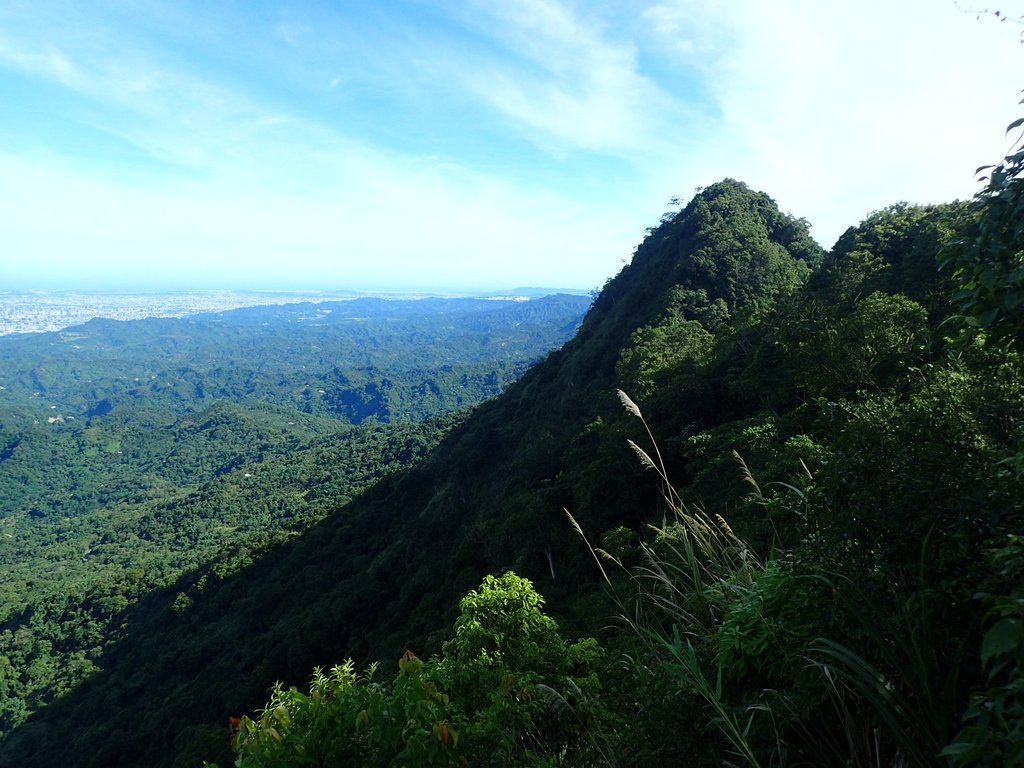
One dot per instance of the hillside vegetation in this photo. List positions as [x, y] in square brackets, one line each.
[134, 452]
[798, 546]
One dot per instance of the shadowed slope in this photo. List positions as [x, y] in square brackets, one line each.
[384, 572]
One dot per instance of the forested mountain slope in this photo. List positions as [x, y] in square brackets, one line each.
[357, 359]
[134, 452]
[856, 445]
[385, 572]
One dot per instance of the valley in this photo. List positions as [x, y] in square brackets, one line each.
[754, 461]
[134, 452]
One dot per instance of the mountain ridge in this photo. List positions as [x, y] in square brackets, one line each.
[481, 482]
[842, 440]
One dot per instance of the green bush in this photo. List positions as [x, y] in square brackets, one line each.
[351, 720]
[508, 690]
[993, 732]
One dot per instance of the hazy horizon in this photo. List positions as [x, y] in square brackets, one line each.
[426, 146]
[286, 290]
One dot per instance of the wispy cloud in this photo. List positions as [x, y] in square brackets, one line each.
[305, 132]
[174, 115]
[41, 60]
[568, 79]
[268, 189]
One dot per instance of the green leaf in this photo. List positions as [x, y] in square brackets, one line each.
[988, 318]
[1004, 637]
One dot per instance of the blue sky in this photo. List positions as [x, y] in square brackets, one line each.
[464, 145]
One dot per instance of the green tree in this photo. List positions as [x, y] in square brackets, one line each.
[524, 695]
[349, 719]
[988, 264]
[655, 351]
[507, 691]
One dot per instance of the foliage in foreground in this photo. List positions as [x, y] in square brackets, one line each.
[139, 455]
[805, 659]
[882, 624]
[832, 621]
[507, 690]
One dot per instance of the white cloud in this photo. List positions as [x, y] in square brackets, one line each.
[568, 79]
[174, 115]
[837, 109]
[268, 191]
[689, 30]
[293, 33]
[834, 109]
[385, 223]
[44, 60]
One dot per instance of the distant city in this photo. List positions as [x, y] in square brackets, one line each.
[41, 311]
[38, 311]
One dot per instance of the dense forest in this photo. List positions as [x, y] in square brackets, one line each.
[792, 479]
[134, 452]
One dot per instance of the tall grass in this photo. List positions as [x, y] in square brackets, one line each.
[908, 677]
[886, 692]
[694, 568]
